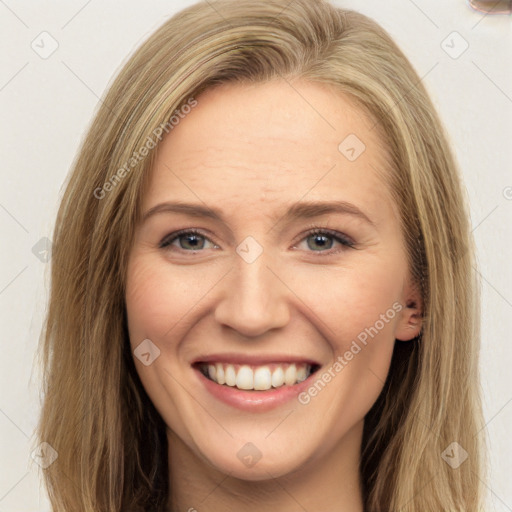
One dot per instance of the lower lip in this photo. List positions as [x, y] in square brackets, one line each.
[256, 401]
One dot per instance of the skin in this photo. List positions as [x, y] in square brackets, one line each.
[252, 151]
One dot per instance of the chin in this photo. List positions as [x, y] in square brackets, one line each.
[248, 462]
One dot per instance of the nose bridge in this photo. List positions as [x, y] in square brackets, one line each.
[255, 300]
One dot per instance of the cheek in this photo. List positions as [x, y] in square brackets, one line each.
[157, 303]
[360, 308]
[351, 302]
[156, 300]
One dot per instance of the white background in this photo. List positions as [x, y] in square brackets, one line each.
[47, 105]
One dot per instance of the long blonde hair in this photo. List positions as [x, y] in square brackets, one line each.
[110, 440]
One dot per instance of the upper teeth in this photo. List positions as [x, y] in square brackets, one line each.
[258, 377]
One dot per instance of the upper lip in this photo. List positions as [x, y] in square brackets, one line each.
[253, 359]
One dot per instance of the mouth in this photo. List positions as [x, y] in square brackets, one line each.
[256, 377]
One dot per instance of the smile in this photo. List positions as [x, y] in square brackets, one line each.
[257, 377]
[254, 383]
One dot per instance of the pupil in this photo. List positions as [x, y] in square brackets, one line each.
[192, 240]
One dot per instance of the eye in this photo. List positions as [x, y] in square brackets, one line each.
[188, 240]
[317, 240]
[322, 240]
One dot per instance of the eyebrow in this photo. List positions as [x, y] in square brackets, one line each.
[301, 210]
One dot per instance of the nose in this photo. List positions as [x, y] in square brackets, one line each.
[254, 298]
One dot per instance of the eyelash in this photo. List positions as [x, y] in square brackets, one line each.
[345, 241]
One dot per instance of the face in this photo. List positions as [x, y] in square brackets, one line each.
[282, 268]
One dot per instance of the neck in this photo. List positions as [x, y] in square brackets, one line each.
[329, 483]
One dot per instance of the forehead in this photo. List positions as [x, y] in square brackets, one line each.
[273, 143]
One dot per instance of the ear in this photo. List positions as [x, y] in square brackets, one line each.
[411, 317]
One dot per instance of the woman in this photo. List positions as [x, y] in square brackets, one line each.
[262, 289]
